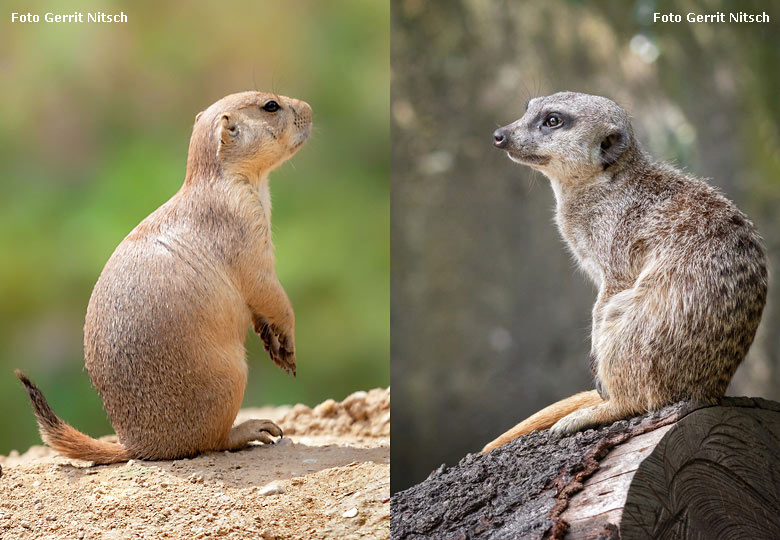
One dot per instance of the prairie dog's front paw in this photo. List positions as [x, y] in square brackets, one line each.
[279, 343]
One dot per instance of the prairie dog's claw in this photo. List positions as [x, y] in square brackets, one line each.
[278, 343]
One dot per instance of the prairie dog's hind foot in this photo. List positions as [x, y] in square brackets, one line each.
[253, 430]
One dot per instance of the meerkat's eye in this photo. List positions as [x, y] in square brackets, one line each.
[553, 120]
[271, 106]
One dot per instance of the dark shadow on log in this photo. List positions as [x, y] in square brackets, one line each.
[687, 471]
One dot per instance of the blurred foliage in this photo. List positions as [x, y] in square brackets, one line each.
[490, 319]
[95, 121]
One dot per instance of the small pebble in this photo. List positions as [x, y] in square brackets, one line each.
[25, 524]
[196, 478]
[272, 489]
[352, 512]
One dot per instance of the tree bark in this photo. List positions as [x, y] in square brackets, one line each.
[691, 470]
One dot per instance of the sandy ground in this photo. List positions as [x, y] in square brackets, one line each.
[328, 478]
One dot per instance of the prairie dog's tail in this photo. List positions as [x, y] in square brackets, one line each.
[65, 439]
[547, 417]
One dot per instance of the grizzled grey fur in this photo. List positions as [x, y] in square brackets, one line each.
[681, 272]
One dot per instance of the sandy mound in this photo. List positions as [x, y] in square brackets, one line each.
[329, 478]
[362, 414]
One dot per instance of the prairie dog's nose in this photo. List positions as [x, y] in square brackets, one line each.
[302, 113]
[500, 138]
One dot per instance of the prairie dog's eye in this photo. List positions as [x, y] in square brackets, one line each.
[553, 120]
[271, 106]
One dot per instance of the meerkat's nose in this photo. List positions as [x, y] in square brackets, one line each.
[500, 138]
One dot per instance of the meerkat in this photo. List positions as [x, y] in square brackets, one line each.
[681, 272]
[166, 323]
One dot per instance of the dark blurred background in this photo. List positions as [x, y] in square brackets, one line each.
[490, 319]
[95, 121]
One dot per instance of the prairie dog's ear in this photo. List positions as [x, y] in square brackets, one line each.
[197, 116]
[228, 129]
[612, 147]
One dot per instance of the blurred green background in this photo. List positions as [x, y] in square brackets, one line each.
[95, 121]
[490, 317]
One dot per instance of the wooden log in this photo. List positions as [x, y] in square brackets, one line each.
[689, 471]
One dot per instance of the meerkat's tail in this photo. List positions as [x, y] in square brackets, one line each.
[65, 439]
[547, 417]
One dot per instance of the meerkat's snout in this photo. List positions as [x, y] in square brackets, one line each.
[519, 146]
[500, 138]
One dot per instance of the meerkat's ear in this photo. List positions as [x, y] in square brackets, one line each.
[228, 129]
[612, 147]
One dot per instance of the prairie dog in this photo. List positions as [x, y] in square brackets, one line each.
[166, 323]
[681, 272]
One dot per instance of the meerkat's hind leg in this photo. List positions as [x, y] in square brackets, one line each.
[593, 416]
[546, 417]
[253, 430]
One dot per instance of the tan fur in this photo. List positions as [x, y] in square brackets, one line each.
[65, 439]
[165, 327]
[681, 271]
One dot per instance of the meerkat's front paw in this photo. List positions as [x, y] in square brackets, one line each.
[574, 422]
[278, 343]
